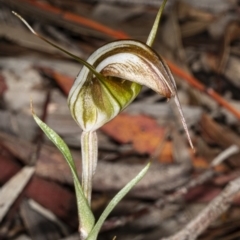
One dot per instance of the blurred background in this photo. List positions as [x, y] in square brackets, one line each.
[200, 41]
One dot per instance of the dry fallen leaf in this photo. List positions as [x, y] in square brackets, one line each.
[142, 131]
[12, 189]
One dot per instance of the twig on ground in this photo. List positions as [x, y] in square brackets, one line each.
[202, 178]
[214, 209]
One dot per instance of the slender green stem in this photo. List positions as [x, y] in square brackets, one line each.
[154, 29]
[89, 161]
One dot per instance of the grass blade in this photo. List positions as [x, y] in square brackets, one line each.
[85, 214]
[94, 233]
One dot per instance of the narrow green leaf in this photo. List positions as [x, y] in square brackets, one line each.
[94, 233]
[154, 29]
[85, 214]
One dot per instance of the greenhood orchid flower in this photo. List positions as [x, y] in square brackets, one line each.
[122, 67]
[126, 65]
[109, 81]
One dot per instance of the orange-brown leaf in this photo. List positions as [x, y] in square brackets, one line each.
[142, 131]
